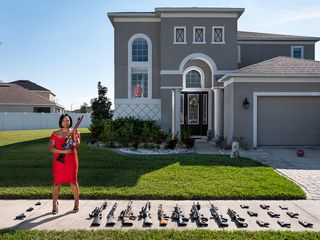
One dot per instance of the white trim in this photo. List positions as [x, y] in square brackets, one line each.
[146, 19]
[301, 48]
[182, 104]
[205, 103]
[169, 72]
[137, 101]
[147, 65]
[199, 15]
[188, 69]
[277, 42]
[282, 79]
[184, 34]
[239, 53]
[171, 87]
[278, 94]
[196, 89]
[223, 35]
[203, 37]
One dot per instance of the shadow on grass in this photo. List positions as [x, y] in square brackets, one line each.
[28, 164]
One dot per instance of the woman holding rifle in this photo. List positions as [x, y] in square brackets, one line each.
[65, 171]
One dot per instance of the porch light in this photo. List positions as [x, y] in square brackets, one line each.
[245, 103]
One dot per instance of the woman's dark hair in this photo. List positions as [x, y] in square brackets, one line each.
[61, 119]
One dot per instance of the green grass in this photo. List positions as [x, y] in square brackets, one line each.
[25, 172]
[160, 234]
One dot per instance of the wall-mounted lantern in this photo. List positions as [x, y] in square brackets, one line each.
[245, 103]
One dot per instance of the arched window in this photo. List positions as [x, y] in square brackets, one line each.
[193, 79]
[140, 50]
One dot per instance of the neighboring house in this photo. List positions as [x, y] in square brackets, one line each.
[26, 96]
[180, 66]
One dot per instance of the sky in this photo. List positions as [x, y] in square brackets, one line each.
[67, 46]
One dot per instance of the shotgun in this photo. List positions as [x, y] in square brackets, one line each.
[162, 216]
[68, 141]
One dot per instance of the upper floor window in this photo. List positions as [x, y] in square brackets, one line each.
[193, 79]
[199, 35]
[140, 50]
[297, 51]
[218, 35]
[180, 35]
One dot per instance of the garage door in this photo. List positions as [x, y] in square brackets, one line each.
[288, 121]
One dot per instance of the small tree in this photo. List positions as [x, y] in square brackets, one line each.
[101, 105]
[84, 108]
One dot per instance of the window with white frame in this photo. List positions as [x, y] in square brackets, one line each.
[199, 35]
[297, 51]
[180, 35]
[140, 50]
[239, 53]
[218, 35]
[139, 66]
[193, 79]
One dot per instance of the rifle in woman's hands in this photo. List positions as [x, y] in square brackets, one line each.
[68, 141]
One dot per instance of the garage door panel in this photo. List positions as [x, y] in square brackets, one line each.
[288, 120]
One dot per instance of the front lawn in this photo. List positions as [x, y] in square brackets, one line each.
[25, 172]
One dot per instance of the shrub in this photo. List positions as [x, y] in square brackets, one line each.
[171, 142]
[222, 142]
[186, 139]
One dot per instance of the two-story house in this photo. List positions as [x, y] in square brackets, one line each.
[190, 68]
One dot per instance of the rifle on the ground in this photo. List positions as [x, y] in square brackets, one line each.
[179, 217]
[96, 214]
[162, 216]
[127, 215]
[197, 216]
[68, 141]
[110, 216]
[145, 214]
[239, 221]
[222, 222]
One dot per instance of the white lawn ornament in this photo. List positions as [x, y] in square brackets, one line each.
[235, 152]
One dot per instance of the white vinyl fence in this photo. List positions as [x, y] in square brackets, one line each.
[29, 120]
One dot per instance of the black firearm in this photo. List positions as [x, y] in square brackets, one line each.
[110, 216]
[127, 215]
[222, 222]
[68, 141]
[179, 217]
[239, 221]
[197, 216]
[162, 216]
[145, 214]
[96, 214]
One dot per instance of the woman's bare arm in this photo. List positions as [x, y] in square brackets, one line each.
[52, 149]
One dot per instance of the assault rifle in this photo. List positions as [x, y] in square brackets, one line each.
[110, 216]
[127, 215]
[179, 217]
[222, 222]
[68, 140]
[145, 214]
[197, 216]
[239, 221]
[96, 214]
[162, 216]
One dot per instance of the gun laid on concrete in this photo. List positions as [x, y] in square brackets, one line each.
[110, 216]
[145, 214]
[127, 215]
[162, 216]
[222, 221]
[179, 217]
[197, 216]
[96, 214]
[239, 221]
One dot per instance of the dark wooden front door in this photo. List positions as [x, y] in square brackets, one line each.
[194, 112]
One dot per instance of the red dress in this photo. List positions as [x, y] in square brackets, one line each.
[66, 172]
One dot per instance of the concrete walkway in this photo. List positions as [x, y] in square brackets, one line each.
[42, 219]
[305, 171]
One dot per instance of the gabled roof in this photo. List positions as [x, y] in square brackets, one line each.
[257, 36]
[14, 94]
[279, 66]
[31, 86]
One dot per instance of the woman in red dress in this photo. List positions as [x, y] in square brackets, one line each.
[66, 172]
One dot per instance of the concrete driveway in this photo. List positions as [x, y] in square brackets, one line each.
[305, 171]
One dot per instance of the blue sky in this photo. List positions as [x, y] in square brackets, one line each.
[67, 45]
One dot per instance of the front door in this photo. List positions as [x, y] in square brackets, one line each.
[194, 112]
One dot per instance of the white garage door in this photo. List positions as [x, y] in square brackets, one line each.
[288, 121]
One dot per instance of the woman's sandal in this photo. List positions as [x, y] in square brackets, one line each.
[76, 206]
[55, 207]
